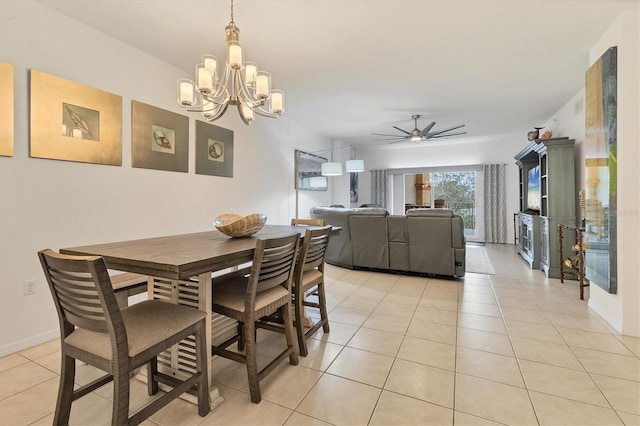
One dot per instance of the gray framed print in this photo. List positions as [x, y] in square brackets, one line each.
[214, 150]
[159, 138]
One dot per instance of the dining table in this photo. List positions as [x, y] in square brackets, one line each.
[180, 270]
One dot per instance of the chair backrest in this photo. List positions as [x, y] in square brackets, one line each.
[273, 264]
[82, 292]
[307, 222]
[313, 249]
[438, 203]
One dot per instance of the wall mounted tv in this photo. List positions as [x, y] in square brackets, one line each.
[533, 189]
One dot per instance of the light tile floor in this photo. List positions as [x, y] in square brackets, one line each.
[511, 348]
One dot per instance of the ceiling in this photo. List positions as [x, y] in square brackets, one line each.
[354, 67]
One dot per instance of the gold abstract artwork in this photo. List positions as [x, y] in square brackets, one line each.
[74, 122]
[6, 109]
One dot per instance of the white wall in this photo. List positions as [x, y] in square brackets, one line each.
[496, 150]
[621, 310]
[49, 203]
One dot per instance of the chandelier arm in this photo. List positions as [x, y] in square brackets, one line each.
[263, 112]
[247, 95]
[242, 117]
[221, 110]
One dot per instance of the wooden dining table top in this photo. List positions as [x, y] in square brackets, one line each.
[182, 256]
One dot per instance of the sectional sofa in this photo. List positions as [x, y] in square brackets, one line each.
[425, 241]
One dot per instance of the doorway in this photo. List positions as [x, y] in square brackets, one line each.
[458, 190]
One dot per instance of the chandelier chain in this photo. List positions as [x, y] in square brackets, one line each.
[232, 12]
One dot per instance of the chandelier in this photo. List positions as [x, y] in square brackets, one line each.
[236, 83]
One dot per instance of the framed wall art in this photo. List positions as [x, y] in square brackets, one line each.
[308, 170]
[159, 138]
[601, 161]
[214, 150]
[6, 109]
[74, 122]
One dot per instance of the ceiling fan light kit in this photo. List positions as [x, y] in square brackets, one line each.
[417, 135]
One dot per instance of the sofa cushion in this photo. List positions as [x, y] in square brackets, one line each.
[430, 212]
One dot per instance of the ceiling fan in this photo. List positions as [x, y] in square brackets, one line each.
[417, 135]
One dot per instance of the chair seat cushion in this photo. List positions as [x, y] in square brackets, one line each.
[147, 324]
[230, 296]
[310, 278]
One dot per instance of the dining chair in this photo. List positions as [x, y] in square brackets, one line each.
[307, 222]
[251, 293]
[308, 275]
[308, 280]
[96, 331]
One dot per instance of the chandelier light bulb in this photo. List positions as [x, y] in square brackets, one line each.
[277, 101]
[185, 92]
[250, 74]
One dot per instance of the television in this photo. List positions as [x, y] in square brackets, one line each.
[533, 189]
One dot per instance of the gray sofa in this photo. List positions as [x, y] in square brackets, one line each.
[426, 241]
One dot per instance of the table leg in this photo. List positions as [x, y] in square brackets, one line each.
[184, 292]
[204, 304]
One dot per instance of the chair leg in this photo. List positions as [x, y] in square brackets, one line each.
[201, 361]
[65, 390]
[288, 331]
[152, 372]
[299, 321]
[241, 338]
[120, 413]
[322, 301]
[252, 363]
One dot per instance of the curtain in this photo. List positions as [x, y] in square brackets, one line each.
[495, 206]
[380, 187]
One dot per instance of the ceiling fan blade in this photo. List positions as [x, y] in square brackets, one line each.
[392, 139]
[399, 140]
[403, 131]
[426, 129]
[429, 135]
[447, 135]
[382, 134]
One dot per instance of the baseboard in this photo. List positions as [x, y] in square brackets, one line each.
[29, 342]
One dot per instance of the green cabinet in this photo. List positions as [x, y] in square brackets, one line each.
[547, 190]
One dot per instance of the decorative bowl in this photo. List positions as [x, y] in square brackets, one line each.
[235, 226]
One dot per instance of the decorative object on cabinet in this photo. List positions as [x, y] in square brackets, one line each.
[575, 262]
[533, 135]
[74, 122]
[538, 226]
[236, 83]
[214, 150]
[235, 226]
[601, 171]
[546, 135]
[159, 138]
[6, 109]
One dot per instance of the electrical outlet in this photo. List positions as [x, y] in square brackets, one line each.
[29, 287]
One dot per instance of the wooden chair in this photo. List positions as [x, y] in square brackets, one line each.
[96, 331]
[309, 274]
[252, 293]
[307, 222]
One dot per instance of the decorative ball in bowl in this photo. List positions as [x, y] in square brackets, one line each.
[235, 226]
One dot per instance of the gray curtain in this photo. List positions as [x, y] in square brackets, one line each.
[380, 187]
[495, 206]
